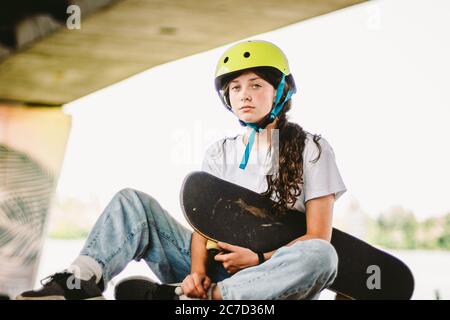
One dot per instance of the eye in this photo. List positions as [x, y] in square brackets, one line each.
[235, 88]
[256, 86]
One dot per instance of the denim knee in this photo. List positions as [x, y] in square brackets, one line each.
[318, 256]
[128, 193]
[135, 196]
[324, 255]
[135, 201]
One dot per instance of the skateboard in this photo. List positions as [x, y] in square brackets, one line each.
[223, 211]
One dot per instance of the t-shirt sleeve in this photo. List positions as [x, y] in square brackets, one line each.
[321, 177]
[210, 160]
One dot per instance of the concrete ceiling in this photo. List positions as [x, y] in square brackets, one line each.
[131, 36]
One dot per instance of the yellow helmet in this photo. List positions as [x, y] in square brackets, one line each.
[251, 54]
[254, 54]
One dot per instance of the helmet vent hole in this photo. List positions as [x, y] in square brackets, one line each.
[247, 54]
[225, 60]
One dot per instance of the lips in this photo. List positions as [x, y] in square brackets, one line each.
[246, 108]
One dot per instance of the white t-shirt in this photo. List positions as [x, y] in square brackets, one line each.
[320, 178]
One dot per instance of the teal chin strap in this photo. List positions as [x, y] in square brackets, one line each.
[249, 145]
[279, 106]
[273, 114]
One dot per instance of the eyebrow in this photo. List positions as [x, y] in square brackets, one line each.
[252, 79]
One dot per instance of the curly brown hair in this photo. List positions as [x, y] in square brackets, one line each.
[285, 184]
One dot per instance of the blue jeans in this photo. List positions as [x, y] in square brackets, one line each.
[134, 226]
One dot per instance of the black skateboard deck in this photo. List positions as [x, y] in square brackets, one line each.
[223, 211]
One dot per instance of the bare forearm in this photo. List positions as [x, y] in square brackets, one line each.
[199, 254]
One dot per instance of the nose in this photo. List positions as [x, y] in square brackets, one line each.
[245, 95]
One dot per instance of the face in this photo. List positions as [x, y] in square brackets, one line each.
[251, 97]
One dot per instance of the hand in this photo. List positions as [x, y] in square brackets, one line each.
[195, 285]
[237, 259]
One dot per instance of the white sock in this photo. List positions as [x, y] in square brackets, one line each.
[209, 292]
[84, 267]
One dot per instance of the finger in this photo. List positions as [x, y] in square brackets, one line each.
[184, 284]
[188, 286]
[221, 257]
[184, 288]
[206, 283]
[191, 291]
[199, 286]
[226, 246]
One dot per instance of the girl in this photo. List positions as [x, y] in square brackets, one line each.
[274, 157]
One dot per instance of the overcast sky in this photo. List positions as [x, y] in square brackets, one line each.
[373, 79]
